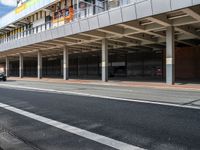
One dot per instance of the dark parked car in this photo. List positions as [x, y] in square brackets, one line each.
[3, 77]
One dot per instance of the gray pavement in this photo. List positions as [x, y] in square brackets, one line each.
[41, 136]
[154, 127]
[10, 142]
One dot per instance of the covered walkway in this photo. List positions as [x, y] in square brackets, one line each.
[140, 64]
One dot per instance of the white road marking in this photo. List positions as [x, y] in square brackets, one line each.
[74, 130]
[97, 96]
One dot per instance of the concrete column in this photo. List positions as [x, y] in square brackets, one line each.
[7, 67]
[21, 65]
[170, 56]
[39, 65]
[65, 64]
[104, 61]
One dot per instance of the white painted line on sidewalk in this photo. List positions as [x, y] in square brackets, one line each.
[97, 96]
[74, 130]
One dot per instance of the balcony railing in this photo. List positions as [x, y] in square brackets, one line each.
[63, 18]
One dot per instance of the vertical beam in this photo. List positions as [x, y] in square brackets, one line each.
[39, 65]
[104, 61]
[77, 9]
[78, 66]
[21, 65]
[65, 63]
[7, 67]
[170, 56]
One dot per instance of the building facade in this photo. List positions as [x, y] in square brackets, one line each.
[140, 40]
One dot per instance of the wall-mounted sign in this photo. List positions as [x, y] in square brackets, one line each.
[24, 4]
[20, 2]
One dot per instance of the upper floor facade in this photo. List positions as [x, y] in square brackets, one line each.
[41, 20]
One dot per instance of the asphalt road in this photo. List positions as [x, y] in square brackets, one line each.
[154, 127]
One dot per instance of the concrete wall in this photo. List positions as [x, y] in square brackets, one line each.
[188, 63]
[85, 65]
[14, 68]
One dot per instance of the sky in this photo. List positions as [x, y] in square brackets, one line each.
[6, 6]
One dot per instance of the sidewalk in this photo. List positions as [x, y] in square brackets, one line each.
[156, 92]
[156, 85]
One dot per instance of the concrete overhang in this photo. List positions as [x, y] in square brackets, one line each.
[124, 26]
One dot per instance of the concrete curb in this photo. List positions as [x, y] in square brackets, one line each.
[195, 87]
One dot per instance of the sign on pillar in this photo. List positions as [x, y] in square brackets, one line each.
[65, 63]
[170, 56]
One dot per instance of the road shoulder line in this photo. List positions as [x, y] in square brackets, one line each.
[97, 96]
[74, 130]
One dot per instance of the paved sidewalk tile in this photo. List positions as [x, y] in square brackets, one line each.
[157, 85]
[124, 90]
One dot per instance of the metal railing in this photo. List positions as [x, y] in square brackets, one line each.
[89, 10]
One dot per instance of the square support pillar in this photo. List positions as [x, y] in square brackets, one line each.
[170, 56]
[65, 64]
[104, 62]
[39, 67]
[21, 65]
[7, 69]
